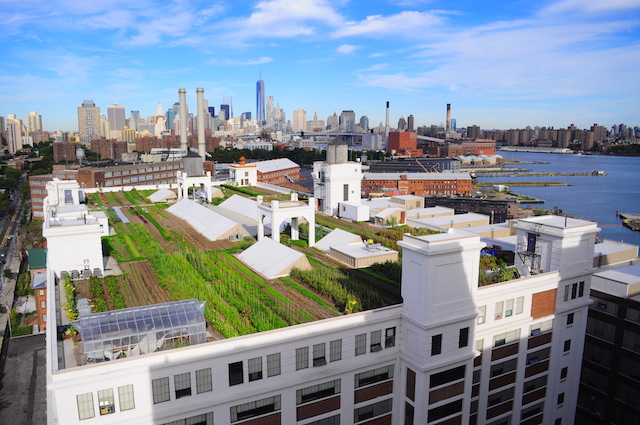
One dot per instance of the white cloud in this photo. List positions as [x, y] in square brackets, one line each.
[346, 49]
[407, 23]
[591, 6]
[246, 62]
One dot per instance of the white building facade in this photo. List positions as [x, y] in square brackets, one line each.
[336, 179]
[453, 353]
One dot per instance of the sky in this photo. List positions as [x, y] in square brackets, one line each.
[500, 64]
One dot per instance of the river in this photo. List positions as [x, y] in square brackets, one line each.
[593, 198]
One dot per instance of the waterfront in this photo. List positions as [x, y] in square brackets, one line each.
[590, 197]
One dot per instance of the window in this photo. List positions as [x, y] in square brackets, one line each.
[604, 305]
[506, 338]
[361, 344]
[463, 337]
[573, 291]
[345, 192]
[503, 367]
[331, 420]
[560, 399]
[182, 383]
[482, 316]
[335, 350]
[601, 329]
[255, 408]
[447, 376]
[302, 358]
[479, 345]
[564, 372]
[436, 344]
[43, 304]
[633, 314]
[540, 328]
[570, 318]
[508, 308]
[631, 341]
[499, 310]
[534, 384]
[255, 368]
[317, 392]
[372, 410]
[319, 356]
[500, 397]
[273, 364]
[160, 389]
[85, 406]
[476, 376]
[389, 337]
[444, 410]
[203, 380]
[519, 305]
[538, 356]
[531, 411]
[106, 402]
[125, 396]
[372, 376]
[236, 373]
[376, 341]
[567, 346]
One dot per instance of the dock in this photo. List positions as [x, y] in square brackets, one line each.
[630, 221]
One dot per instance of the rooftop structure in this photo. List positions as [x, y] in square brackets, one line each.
[272, 259]
[134, 331]
[209, 223]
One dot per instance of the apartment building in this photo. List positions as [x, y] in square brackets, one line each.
[421, 184]
[452, 353]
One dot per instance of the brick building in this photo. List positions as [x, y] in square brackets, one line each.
[281, 171]
[475, 147]
[37, 269]
[111, 175]
[498, 209]
[403, 143]
[109, 149]
[64, 151]
[421, 184]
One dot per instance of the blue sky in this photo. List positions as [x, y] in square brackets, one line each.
[501, 64]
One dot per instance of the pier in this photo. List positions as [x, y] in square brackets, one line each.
[528, 173]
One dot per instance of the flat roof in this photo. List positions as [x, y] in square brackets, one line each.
[362, 250]
[417, 176]
[610, 247]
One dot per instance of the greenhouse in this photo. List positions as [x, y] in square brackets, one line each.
[140, 330]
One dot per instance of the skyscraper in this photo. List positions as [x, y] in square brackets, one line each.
[410, 123]
[299, 120]
[364, 122]
[14, 134]
[89, 121]
[260, 106]
[33, 122]
[348, 121]
[228, 100]
[271, 111]
[134, 119]
[117, 120]
[226, 109]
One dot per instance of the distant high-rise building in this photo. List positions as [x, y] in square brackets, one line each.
[260, 105]
[117, 120]
[247, 115]
[2, 126]
[14, 134]
[89, 122]
[226, 110]
[364, 122]
[348, 121]
[299, 120]
[315, 124]
[171, 116]
[159, 109]
[454, 124]
[333, 122]
[212, 111]
[410, 123]
[134, 120]
[228, 100]
[33, 122]
[271, 111]
[473, 132]
[402, 124]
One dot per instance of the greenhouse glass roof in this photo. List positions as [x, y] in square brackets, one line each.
[141, 330]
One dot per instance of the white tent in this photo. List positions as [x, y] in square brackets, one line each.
[212, 225]
[241, 205]
[162, 195]
[271, 259]
[337, 237]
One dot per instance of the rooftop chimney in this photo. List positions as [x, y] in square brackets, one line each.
[202, 150]
[182, 111]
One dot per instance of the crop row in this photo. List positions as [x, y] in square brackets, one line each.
[113, 290]
[97, 295]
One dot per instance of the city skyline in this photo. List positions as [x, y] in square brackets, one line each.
[500, 66]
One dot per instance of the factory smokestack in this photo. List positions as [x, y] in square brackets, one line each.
[182, 111]
[448, 128]
[202, 150]
[386, 127]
